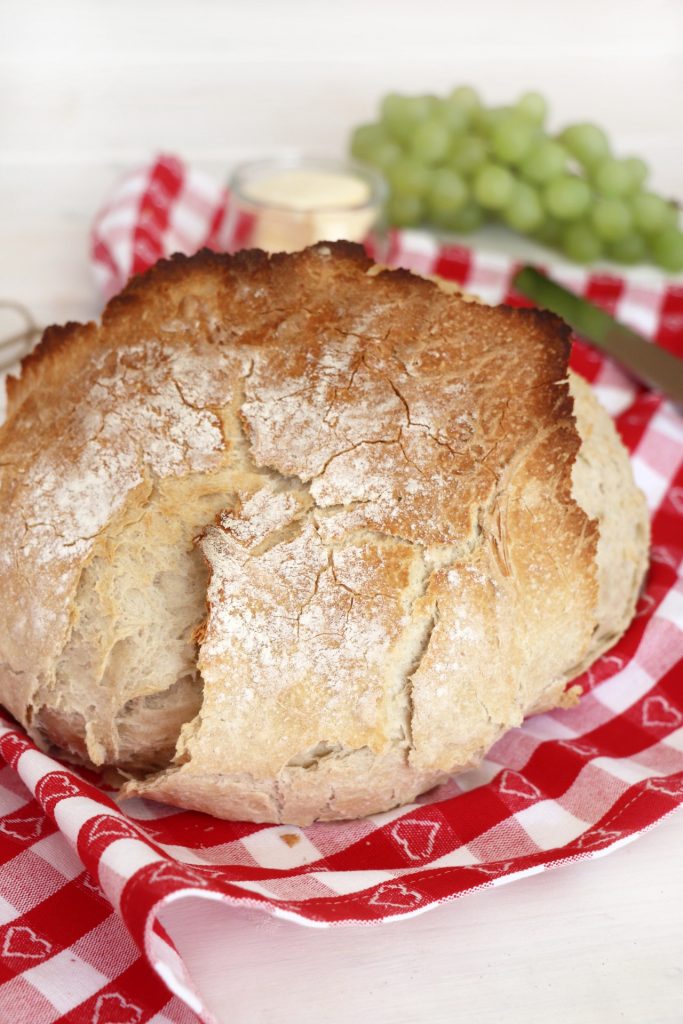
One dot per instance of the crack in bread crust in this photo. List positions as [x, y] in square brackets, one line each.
[397, 569]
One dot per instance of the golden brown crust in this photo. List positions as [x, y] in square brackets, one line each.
[385, 459]
[63, 347]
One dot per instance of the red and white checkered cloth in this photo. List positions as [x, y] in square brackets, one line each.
[566, 786]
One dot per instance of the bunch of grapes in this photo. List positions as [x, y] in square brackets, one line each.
[453, 163]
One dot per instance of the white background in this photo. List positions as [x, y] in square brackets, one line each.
[88, 87]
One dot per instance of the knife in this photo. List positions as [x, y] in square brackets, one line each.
[650, 363]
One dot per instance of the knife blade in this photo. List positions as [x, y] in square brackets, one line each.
[650, 363]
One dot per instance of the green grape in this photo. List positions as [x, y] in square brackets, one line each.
[545, 160]
[486, 119]
[448, 193]
[672, 214]
[405, 211]
[468, 154]
[465, 220]
[402, 114]
[638, 170]
[523, 212]
[630, 249]
[392, 112]
[408, 177]
[667, 249]
[512, 138]
[452, 116]
[651, 213]
[581, 244]
[532, 106]
[567, 197]
[365, 138]
[614, 178]
[384, 155]
[549, 232]
[493, 186]
[431, 140]
[611, 220]
[586, 142]
[449, 160]
[467, 99]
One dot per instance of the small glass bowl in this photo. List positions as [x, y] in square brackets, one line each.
[285, 204]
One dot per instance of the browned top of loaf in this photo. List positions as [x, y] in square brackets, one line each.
[404, 411]
[412, 401]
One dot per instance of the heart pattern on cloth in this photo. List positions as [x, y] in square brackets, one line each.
[500, 868]
[56, 786]
[663, 556]
[12, 746]
[23, 828]
[672, 321]
[582, 749]
[669, 787]
[92, 886]
[416, 838]
[676, 499]
[108, 826]
[113, 1008]
[22, 941]
[658, 712]
[646, 603]
[614, 660]
[396, 894]
[513, 784]
[598, 836]
[172, 871]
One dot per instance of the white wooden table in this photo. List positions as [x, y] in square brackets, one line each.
[88, 88]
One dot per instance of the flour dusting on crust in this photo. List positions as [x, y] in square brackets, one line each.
[368, 482]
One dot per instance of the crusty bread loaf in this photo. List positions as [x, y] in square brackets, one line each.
[293, 537]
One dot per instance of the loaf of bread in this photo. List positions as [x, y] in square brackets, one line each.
[295, 537]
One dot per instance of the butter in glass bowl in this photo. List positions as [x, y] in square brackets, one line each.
[282, 205]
